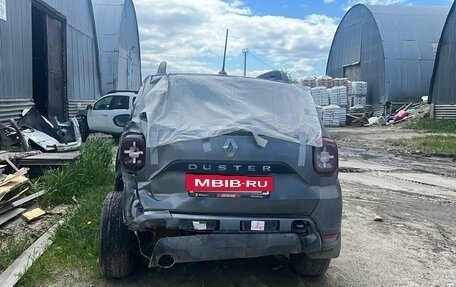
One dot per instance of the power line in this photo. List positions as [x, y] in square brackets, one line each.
[261, 61]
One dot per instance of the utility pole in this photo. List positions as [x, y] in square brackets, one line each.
[245, 51]
[222, 72]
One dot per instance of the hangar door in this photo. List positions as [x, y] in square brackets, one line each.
[353, 72]
[49, 74]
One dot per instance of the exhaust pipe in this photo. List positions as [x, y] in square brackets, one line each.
[165, 261]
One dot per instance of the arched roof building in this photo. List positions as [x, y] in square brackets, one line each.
[443, 83]
[118, 42]
[392, 48]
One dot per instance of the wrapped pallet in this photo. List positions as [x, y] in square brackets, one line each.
[320, 96]
[325, 81]
[308, 82]
[338, 96]
[331, 116]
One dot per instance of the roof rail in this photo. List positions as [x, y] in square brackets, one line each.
[117, 91]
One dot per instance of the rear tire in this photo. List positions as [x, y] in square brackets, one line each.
[116, 258]
[306, 266]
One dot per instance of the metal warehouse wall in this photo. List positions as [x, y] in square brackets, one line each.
[82, 51]
[443, 84]
[394, 47]
[16, 54]
[118, 40]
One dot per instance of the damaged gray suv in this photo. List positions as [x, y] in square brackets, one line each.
[215, 167]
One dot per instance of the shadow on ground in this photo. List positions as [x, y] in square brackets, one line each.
[264, 271]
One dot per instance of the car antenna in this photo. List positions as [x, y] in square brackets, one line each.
[222, 72]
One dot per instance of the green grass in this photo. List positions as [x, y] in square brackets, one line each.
[433, 126]
[435, 144]
[13, 248]
[76, 241]
[92, 169]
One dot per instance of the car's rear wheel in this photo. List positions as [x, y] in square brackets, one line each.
[306, 266]
[116, 258]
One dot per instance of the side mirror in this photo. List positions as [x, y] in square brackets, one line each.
[121, 120]
[89, 107]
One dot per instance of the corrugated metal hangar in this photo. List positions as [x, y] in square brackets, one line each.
[392, 48]
[443, 84]
[49, 56]
[118, 42]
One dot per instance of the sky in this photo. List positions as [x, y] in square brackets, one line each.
[292, 35]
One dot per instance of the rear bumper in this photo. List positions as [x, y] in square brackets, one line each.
[231, 237]
[225, 236]
[228, 246]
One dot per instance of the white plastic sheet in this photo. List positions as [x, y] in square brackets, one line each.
[183, 107]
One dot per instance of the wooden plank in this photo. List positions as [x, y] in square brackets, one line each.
[408, 106]
[10, 215]
[12, 164]
[33, 214]
[403, 106]
[13, 273]
[10, 177]
[11, 185]
[5, 202]
[21, 201]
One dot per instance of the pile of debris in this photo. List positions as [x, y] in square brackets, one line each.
[404, 113]
[14, 189]
[33, 131]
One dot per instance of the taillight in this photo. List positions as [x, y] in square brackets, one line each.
[133, 152]
[326, 158]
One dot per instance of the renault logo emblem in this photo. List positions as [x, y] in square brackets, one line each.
[230, 147]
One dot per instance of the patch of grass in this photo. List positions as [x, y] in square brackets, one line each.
[433, 126]
[76, 240]
[435, 144]
[92, 169]
[13, 248]
[75, 243]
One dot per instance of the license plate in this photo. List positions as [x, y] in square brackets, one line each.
[228, 183]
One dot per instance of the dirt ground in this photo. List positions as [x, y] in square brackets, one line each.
[414, 245]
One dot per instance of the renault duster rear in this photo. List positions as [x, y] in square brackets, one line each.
[217, 167]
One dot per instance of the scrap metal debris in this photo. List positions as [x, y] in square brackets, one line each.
[33, 131]
[404, 113]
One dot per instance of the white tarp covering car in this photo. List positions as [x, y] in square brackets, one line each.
[205, 106]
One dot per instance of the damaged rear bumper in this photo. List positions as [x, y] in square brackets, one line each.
[171, 250]
[227, 237]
